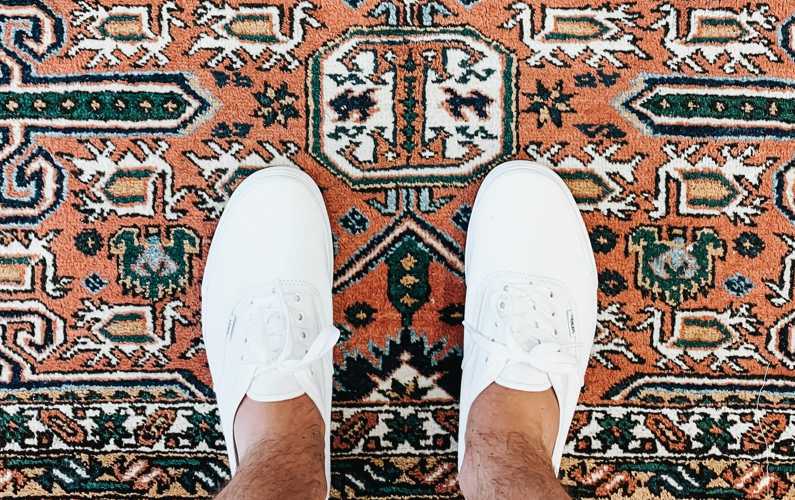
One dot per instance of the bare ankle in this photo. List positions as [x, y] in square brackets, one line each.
[281, 449]
[282, 469]
[256, 422]
[509, 442]
[508, 465]
[502, 410]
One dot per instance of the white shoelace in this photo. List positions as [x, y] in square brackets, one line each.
[275, 316]
[530, 312]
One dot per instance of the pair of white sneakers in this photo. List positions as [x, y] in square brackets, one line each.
[530, 310]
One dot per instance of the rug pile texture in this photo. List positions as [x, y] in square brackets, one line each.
[125, 125]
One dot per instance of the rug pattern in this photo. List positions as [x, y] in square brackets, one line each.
[125, 126]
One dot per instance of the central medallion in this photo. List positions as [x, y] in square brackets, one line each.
[411, 107]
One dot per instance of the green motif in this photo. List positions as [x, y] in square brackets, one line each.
[616, 431]
[110, 428]
[672, 269]
[14, 429]
[730, 107]
[88, 241]
[715, 433]
[408, 286]
[153, 267]
[82, 105]
[203, 429]
[276, 105]
[408, 429]
[549, 104]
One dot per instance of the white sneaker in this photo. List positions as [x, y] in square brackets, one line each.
[530, 313]
[266, 298]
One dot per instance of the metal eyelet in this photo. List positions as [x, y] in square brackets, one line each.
[297, 298]
[300, 316]
[303, 335]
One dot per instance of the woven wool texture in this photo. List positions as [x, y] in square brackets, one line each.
[125, 126]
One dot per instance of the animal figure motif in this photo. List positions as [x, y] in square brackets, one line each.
[714, 33]
[349, 102]
[229, 166]
[675, 269]
[575, 32]
[255, 30]
[152, 265]
[19, 259]
[126, 29]
[704, 334]
[127, 186]
[593, 181]
[129, 329]
[708, 186]
[475, 101]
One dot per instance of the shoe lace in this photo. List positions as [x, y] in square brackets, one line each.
[268, 337]
[530, 311]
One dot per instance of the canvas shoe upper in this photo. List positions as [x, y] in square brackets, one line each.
[266, 298]
[530, 313]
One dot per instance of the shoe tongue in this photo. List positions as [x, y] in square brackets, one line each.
[267, 342]
[523, 377]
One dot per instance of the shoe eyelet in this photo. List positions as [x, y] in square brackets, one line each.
[505, 288]
[556, 332]
[502, 306]
[486, 360]
[300, 316]
[303, 335]
[496, 324]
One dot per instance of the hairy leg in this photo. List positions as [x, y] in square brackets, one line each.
[280, 446]
[510, 437]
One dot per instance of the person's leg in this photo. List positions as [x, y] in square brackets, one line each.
[510, 437]
[280, 445]
[268, 331]
[529, 322]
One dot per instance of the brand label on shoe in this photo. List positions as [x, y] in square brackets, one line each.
[570, 317]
